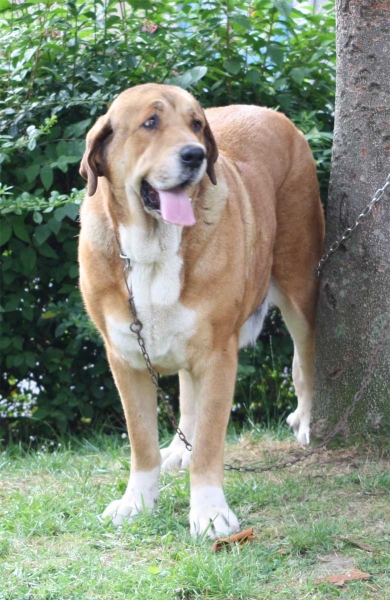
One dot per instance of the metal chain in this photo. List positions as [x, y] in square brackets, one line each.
[136, 327]
[349, 231]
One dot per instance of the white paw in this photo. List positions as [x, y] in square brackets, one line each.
[210, 513]
[140, 497]
[300, 425]
[176, 456]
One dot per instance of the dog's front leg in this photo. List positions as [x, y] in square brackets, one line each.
[139, 401]
[210, 512]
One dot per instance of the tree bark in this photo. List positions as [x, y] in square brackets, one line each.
[355, 282]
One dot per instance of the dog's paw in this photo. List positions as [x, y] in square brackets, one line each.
[176, 456]
[122, 510]
[210, 513]
[300, 426]
[140, 497]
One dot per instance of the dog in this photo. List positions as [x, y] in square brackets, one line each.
[219, 213]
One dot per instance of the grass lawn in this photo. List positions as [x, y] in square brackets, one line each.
[53, 546]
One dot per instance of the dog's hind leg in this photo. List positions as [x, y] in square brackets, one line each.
[299, 317]
[139, 401]
[176, 455]
[294, 288]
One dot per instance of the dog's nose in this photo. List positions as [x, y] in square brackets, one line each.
[192, 156]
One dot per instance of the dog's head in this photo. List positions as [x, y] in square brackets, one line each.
[153, 142]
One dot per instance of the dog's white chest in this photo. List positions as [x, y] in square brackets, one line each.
[167, 323]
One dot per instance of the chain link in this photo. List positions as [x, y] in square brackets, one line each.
[349, 230]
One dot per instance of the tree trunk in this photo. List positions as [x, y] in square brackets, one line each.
[355, 282]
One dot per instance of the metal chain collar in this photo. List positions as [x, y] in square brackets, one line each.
[136, 327]
[349, 231]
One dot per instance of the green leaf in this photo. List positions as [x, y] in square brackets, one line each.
[12, 304]
[29, 359]
[142, 4]
[298, 74]
[50, 314]
[62, 148]
[32, 172]
[72, 210]
[41, 234]
[60, 329]
[98, 78]
[77, 129]
[20, 230]
[254, 77]
[27, 313]
[74, 271]
[233, 66]
[42, 412]
[46, 250]
[5, 231]
[47, 176]
[7, 263]
[29, 53]
[4, 5]
[61, 163]
[50, 151]
[60, 213]
[9, 278]
[4, 342]
[28, 258]
[54, 225]
[188, 78]
[17, 342]
[241, 20]
[18, 360]
[283, 6]
[276, 54]
[37, 217]
[153, 570]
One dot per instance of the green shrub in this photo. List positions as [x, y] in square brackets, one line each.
[54, 369]
[70, 60]
[61, 65]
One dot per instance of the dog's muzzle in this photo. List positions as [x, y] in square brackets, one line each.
[174, 204]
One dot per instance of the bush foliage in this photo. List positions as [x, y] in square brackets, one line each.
[61, 65]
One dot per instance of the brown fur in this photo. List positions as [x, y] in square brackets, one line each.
[262, 222]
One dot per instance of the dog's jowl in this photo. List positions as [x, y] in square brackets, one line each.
[219, 214]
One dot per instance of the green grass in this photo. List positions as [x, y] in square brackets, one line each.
[53, 545]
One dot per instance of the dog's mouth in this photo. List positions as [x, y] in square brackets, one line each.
[150, 196]
[174, 205]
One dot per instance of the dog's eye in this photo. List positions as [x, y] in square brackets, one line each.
[150, 123]
[197, 125]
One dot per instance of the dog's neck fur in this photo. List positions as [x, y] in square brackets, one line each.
[150, 246]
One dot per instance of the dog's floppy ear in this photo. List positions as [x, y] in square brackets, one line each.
[92, 163]
[212, 152]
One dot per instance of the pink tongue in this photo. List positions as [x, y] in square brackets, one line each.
[176, 207]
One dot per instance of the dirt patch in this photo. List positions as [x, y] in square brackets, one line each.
[332, 564]
[269, 451]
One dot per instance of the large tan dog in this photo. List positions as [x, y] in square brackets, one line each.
[213, 238]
